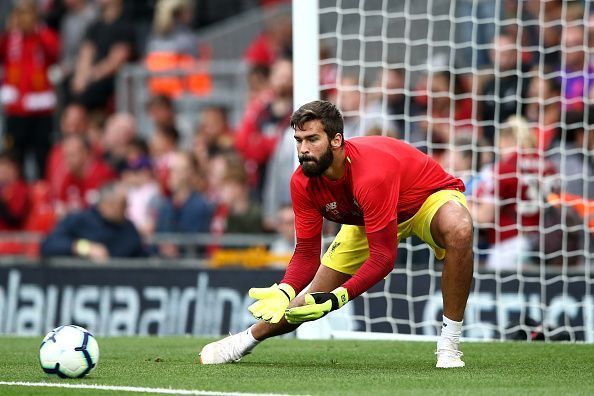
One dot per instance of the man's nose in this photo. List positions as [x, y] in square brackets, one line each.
[303, 148]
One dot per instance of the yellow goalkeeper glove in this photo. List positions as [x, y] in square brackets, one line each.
[317, 305]
[272, 302]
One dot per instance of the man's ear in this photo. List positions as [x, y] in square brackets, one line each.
[336, 142]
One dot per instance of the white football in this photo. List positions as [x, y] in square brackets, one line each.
[68, 352]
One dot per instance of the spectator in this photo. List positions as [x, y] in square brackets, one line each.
[503, 92]
[264, 122]
[463, 160]
[284, 245]
[186, 211]
[97, 233]
[120, 130]
[350, 101]
[161, 112]
[575, 159]
[449, 111]
[86, 174]
[162, 147]
[577, 78]
[328, 72]
[80, 14]
[172, 47]
[236, 213]
[107, 46]
[508, 201]
[479, 30]
[218, 166]
[14, 194]
[27, 49]
[74, 121]
[96, 132]
[276, 192]
[143, 194]
[258, 78]
[548, 15]
[381, 116]
[590, 27]
[274, 43]
[543, 108]
[213, 134]
[171, 30]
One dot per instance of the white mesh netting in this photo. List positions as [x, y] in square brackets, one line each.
[446, 76]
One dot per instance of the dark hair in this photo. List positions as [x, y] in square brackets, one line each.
[160, 100]
[451, 78]
[222, 110]
[170, 133]
[139, 144]
[322, 110]
[11, 157]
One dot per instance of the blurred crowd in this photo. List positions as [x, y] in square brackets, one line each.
[515, 126]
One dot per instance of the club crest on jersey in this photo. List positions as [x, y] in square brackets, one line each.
[330, 206]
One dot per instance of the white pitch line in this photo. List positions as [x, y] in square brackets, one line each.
[136, 389]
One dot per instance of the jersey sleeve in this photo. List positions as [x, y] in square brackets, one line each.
[378, 198]
[308, 221]
[382, 254]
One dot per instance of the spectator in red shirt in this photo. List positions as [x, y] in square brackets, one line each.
[86, 174]
[27, 49]
[509, 201]
[162, 147]
[14, 194]
[265, 120]
[74, 121]
[273, 43]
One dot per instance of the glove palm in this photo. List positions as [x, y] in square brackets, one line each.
[271, 302]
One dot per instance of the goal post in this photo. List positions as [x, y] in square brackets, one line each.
[438, 74]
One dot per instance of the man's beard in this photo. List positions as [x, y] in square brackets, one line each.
[315, 167]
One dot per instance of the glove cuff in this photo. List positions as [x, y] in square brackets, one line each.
[342, 296]
[288, 290]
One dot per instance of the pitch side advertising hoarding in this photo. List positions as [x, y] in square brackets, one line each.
[168, 301]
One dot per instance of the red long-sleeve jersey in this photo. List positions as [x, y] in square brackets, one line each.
[385, 182]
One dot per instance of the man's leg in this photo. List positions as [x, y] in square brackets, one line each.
[451, 228]
[234, 347]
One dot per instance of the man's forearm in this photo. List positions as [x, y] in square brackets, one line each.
[382, 254]
[304, 263]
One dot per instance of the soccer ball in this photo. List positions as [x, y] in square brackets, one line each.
[68, 352]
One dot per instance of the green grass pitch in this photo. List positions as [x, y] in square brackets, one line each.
[302, 367]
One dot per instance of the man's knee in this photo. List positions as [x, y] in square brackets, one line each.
[455, 226]
[459, 234]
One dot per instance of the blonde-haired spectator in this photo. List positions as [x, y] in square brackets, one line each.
[511, 194]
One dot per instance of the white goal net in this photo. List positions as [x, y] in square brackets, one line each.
[446, 76]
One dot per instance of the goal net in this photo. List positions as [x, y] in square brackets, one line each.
[498, 92]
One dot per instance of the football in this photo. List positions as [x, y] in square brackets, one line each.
[68, 352]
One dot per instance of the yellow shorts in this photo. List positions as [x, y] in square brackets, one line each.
[349, 250]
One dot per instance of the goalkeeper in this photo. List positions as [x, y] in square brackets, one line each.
[381, 190]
